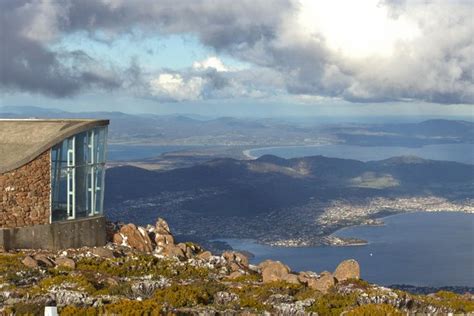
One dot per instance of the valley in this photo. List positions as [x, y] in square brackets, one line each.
[286, 202]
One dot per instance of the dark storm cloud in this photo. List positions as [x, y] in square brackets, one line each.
[27, 64]
[435, 67]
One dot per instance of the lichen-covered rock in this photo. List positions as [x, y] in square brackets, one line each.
[205, 255]
[273, 271]
[65, 262]
[235, 274]
[188, 252]
[347, 269]
[135, 237]
[30, 262]
[275, 299]
[226, 298]
[174, 251]
[66, 297]
[323, 283]
[304, 276]
[291, 278]
[297, 308]
[103, 252]
[237, 257]
[146, 288]
[162, 233]
[43, 260]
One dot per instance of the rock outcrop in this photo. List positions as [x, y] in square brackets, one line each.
[276, 271]
[347, 269]
[134, 237]
[322, 283]
[161, 233]
[185, 279]
[65, 262]
[157, 239]
[29, 262]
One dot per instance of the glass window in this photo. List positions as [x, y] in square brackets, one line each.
[77, 175]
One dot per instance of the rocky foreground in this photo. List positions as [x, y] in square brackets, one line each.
[143, 271]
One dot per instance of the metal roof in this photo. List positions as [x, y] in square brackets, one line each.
[22, 140]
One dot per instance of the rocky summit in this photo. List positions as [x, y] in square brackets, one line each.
[143, 271]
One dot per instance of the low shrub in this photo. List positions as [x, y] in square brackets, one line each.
[333, 304]
[374, 310]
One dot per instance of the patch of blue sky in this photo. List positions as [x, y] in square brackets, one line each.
[152, 53]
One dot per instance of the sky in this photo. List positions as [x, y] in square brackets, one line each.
[240, 58]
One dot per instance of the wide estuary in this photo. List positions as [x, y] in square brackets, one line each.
[422, 249]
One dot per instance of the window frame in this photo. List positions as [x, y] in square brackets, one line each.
[91, 165]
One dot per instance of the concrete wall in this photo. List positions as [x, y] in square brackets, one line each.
[25, 194]
[58, 235]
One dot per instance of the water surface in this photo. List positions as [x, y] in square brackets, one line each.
[422, 249]
[132, 152]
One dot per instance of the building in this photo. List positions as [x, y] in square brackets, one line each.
[52, 183]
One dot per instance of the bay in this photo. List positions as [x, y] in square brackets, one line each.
[421, 249]
[116, 152]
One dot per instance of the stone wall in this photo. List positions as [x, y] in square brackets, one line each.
[25, 194]
[77, 233]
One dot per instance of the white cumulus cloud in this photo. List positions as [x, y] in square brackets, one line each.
[174, 87]
[210, 63]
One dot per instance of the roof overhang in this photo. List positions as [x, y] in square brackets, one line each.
[22, 140]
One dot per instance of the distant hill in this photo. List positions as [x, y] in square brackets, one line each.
[250, 187]
[437, 131]
[194, 130]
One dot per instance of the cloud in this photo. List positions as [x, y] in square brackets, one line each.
[210, 63]
[26, 62]
[371, 51]
[174, 87]
[212, 79]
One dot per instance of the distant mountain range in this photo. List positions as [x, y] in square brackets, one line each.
[407, 134]
[229, 131]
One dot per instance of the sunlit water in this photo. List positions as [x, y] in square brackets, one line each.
[423, 249]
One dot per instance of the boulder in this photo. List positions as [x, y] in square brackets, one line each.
[234, 266]
[65, 262]
[103, 252]
[291, 278]
[162, 233]
[119, 239]
[30, 262]
[273, 271]
[236, 260]
[109, 281]
[322, 284]
[43, 260]
[174, 251]
[304, 276]
[235, 274]
[163, 239]
[186, 250]
[162, 227]
[136, 238]
[205, 255]
[347, 269]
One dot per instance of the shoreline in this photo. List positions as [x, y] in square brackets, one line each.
[248, 152]
[332, 240]
[248, 155]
